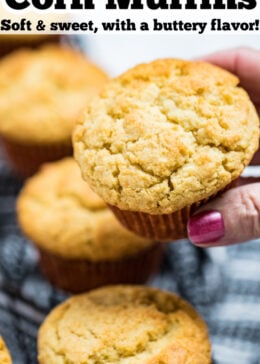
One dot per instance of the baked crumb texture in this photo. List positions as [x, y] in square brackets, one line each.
[165, 135]
[70, 220]
[43, 92]
[4, 354]
[124, 325]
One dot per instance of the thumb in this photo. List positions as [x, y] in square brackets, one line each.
[232, 218]
[245, 63]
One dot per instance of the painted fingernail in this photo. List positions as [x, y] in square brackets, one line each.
[206, 227]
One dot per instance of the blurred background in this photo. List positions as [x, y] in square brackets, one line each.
[222, 283]
[116, 53]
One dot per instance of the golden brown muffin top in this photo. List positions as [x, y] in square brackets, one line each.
[43, 91]
[124, 325]
[165, 135]
[60, 213]
[4, 354]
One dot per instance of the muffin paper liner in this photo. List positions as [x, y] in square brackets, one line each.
[164, 227]
[74, 275]
[26, 159]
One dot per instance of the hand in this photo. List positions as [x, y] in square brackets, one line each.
[235, 216]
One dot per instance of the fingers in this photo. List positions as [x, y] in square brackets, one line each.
[230, 219]
[245, 63]
[234, 217]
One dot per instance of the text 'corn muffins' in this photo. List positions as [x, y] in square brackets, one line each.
[43, 92]
[126, 325]
[5, 357]
[163, 138]
[81, 244]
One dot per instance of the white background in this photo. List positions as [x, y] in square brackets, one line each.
[116, 53]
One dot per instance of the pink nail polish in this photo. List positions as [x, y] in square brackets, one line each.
[206, 227]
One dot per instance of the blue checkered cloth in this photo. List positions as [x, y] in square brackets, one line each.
[223, 284]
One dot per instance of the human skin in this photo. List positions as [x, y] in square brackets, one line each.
[235, 216]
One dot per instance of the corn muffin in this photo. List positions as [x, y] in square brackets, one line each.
[162, 139]
[42, 93]
[126, 325]
[5, 357]
[81, 244]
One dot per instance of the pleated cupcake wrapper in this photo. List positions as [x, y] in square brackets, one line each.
[26, 159]
[78, 276]
[10, 44]
[164, 227]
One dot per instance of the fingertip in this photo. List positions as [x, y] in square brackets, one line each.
[230, 59]
[206, 228]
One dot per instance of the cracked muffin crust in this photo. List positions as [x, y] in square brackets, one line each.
[126, 325]
[4, 353]
[69, 219]
[166, 135]
[81, 244]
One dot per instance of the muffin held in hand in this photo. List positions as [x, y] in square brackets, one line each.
[42, 93]
[162, 139]
[4, 353]
[126, 325]
[81, 244]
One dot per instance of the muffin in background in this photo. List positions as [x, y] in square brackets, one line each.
[5, 357]
[81, 244]
[162, 139]
[42, 93]
[11, 41]
[124, 324]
